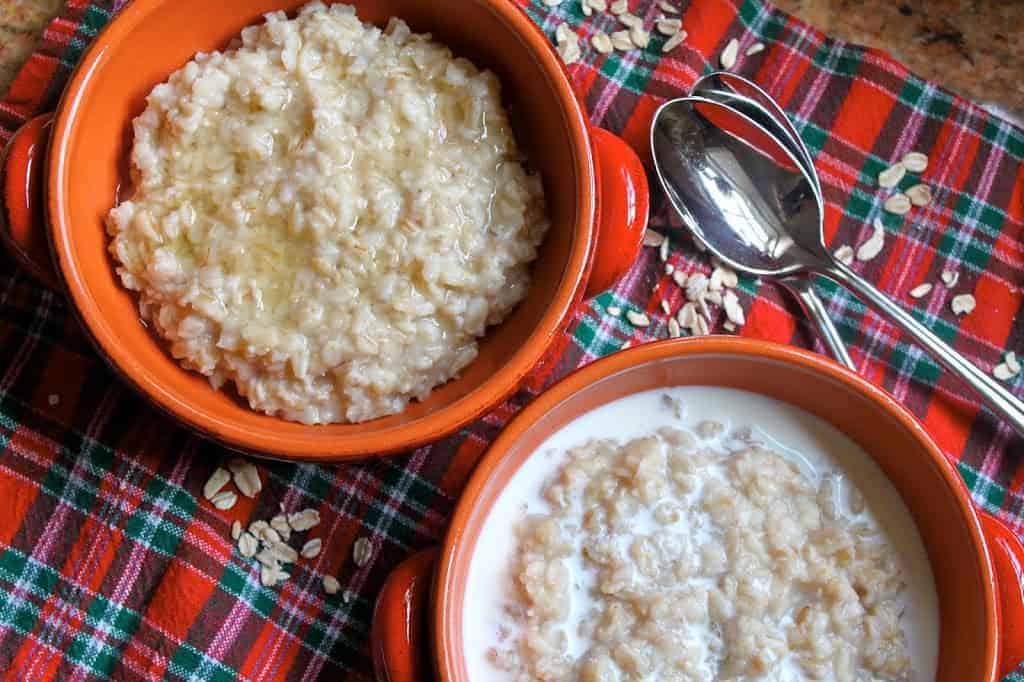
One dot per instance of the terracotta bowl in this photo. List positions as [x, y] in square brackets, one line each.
[976, 560]
[595, 185]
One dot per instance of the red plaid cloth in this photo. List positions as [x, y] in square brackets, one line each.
[114, 565]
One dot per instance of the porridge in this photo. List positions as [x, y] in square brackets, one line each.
[327, 215]
[658, 541]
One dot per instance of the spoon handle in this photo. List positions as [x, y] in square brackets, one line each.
[801, 288]
[998, 399]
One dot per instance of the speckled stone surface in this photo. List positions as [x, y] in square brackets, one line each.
[973, 47]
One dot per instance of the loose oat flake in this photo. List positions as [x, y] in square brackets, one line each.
[915, 162]
[844, 254]
[729, 54]
[224, 500]
[312, 548]
[271, 576]
[236, 529]
[679, 277]
[280, 524]
[614, 311]
[247, 479]
[663, 250]
[963, 304]
[665, 308]
[674, 331]
[873, 246]
[637, 319]
[919, 195]
[331, 584]
[1012, 362]
[733, 309]
[248, 545]
[921, 290]
[667, 7]
[950, 278]
[892, 175]
[362, 552]
[304, 520]
[218, 479]
[653, 238]
[898, 204]
[756, 48]
[668, 27]
[696, 286]
[602, 43]
[621, 41]
[674, 42]
[639, 36]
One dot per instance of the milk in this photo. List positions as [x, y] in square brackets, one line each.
[816, 447]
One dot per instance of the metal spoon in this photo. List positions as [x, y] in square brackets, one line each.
[751, 203]
[748, 98]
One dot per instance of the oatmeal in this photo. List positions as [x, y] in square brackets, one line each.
[327, 215]
[679, 545]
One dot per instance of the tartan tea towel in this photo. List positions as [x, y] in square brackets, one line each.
[114, 565]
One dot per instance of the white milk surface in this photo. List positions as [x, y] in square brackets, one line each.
[816, 447]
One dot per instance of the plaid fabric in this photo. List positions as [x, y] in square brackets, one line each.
[114, 566]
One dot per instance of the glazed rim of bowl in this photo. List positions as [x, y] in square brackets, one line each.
[467, 521]
[368, 439]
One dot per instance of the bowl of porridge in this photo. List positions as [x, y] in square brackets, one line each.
[711, 509]
[324, 231]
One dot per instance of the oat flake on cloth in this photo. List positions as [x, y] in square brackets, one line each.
[113, 565]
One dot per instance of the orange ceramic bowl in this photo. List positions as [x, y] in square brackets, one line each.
[976, 560]
[595, 185]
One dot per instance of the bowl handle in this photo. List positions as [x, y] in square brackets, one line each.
[23, 218]
[624, 202]
[399, 636]
[1007, 554]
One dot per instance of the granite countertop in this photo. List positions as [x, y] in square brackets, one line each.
[968, 46]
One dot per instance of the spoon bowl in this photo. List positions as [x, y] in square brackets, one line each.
[751, 202]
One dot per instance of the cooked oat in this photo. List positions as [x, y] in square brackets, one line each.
[265, 174]
[708, 591]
